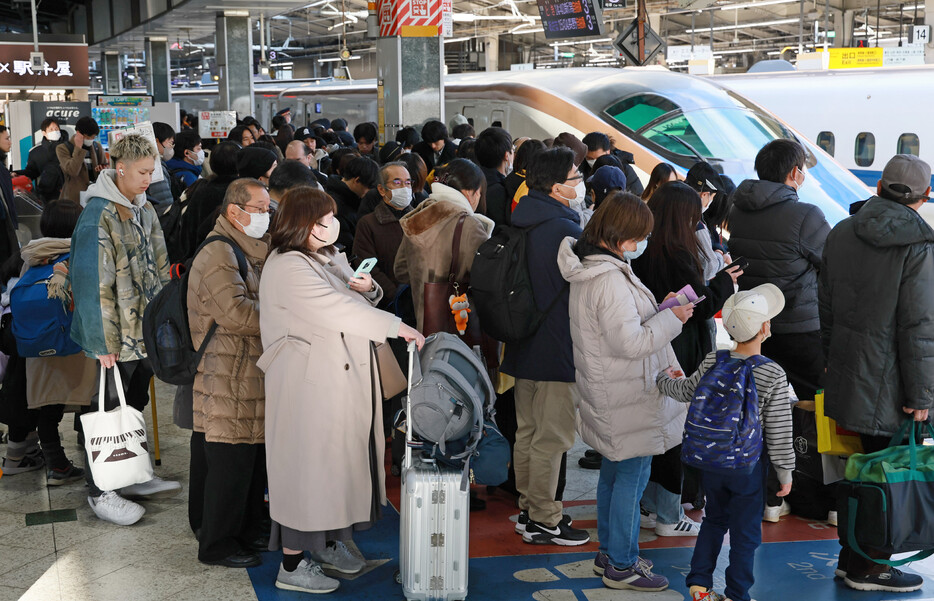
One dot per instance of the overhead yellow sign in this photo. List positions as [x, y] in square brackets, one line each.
[853, 58]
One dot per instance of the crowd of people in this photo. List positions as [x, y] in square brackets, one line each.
[273, 227]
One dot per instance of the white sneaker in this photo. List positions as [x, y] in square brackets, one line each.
[647, 520]
[111, 507]
[685, 527]
[339, 558]
[773, 514]
[832, 518]
[157, 487]
[307, 578]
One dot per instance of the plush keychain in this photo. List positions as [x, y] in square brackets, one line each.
[460, 308]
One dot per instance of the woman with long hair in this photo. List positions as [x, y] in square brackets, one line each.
[672, 261]
[662, 173]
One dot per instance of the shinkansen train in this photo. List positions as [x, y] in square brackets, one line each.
[861, 117]
[653, 113]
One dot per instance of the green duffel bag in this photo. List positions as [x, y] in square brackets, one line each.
[890, 495]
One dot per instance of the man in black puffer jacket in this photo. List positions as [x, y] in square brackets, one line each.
[877, 324]
[783, 240]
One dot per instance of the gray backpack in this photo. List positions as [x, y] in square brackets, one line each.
[451, 394]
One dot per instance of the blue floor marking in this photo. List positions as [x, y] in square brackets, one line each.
[799, 569]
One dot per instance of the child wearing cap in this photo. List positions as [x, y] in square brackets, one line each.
[735, 498]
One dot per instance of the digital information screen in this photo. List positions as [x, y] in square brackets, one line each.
[571, 18]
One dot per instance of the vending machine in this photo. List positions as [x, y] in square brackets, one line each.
[120, 112]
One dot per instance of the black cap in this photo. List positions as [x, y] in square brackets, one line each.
[287, 109]
[303, 133]
[254, 162]
[389, 152]
[703, 178]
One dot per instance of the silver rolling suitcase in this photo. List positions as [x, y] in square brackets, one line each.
[433, 541]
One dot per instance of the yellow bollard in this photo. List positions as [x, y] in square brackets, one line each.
[155, 419]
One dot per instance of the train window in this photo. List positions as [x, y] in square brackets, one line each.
[865, 151]
[637, 111]
[826, 141]
[909, 144]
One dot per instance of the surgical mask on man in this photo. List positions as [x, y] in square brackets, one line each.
[591, 162]
[199, 158]
[632, 255]
[259, 223]
[53, 136]
[167, 153]
[334, 232]
[580, 190]
[88, 143]
[401, 198]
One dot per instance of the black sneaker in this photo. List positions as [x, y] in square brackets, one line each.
[591, 462]
[562, 534]
[892, 581]
[57, 477]
[522, 521]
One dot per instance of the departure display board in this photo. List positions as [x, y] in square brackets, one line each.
[571, 18]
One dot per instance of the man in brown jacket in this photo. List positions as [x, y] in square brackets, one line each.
[229, 394]
[379, 233]
[81, 158]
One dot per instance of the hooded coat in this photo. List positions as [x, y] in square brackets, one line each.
[877, 317]
[119, 263]
[621, 343]
[428, 234]
[783, 239]
[68, 380]
[228, 393]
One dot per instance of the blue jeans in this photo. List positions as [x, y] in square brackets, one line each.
[618, 493]
[667, 505]
[734, 504]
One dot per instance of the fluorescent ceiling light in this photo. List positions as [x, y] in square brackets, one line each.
[337, 58]
[581, 42]
[454, 40]
[737, 51]
[742, 26]
[756, 4]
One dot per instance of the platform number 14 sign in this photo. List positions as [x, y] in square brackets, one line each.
[920, 35]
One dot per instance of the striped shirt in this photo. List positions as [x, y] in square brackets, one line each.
[774, 407]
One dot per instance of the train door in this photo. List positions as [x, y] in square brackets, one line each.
[498, 118]
[471, 113]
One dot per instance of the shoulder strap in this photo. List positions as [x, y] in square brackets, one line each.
[241, 258]
[455, 249]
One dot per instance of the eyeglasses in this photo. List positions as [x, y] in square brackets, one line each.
[257, 211]
[401, 182]
[576, 177]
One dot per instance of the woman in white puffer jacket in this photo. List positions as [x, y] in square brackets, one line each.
[621, 341]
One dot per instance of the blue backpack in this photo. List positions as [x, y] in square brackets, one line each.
[722, 432]
[41, 325]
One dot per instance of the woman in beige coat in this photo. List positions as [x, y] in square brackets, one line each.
[324, 443]
[425, 253]
[52, 383]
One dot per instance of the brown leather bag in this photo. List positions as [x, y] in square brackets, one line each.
[436, 306]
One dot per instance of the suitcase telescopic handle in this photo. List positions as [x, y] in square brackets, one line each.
[413, 359]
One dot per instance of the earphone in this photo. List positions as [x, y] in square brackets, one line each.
[121, 172]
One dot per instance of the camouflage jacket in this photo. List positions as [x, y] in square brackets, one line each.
[119, 263]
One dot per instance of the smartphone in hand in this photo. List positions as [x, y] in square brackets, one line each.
[365, 267]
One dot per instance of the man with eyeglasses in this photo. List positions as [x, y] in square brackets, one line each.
[543, 364]
[228, 475]
[783, 239]
[379, 233]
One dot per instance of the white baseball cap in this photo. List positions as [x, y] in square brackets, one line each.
[746, 311]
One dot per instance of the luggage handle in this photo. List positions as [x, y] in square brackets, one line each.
[910, 428]
[413, 366]
[103, 388]
[851, 539]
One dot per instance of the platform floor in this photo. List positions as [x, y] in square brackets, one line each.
[76, 557]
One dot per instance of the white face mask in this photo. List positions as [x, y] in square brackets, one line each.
[401, 198]
[53, 136]
[88, 143]
[591, 162]
[580, 191]
[704, 207]
[259, 223]
[199, 157]
[167, 153]
[334, 231]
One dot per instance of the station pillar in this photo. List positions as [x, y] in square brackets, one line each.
[113, 74]
[158, 69]
[491, 53]
[412, 95]
[929, 20]
[234, 52]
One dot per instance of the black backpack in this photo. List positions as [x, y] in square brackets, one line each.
[51, 180]
[501, 287]
[171, 222]
[166, 333]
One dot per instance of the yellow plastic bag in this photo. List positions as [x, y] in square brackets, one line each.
[831, 438]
